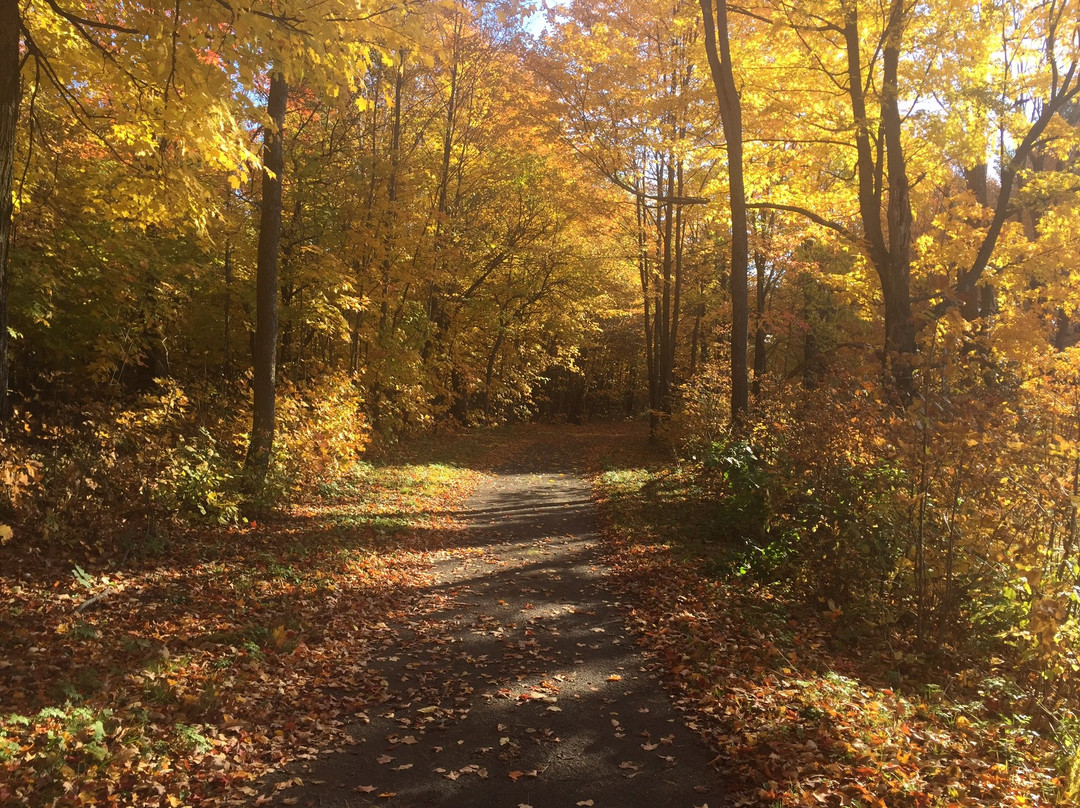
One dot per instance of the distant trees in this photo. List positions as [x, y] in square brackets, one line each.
[630, 98]
[434, 249]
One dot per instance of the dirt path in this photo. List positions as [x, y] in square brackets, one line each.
[521, 685]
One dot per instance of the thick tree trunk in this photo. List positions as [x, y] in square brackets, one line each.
[889, 251]
[896, 288]
[718, 50]
[9, 116]
[266, 301]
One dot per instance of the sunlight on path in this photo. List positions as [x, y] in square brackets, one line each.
[520, 686]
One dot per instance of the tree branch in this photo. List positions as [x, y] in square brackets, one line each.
[78, 21]
[836, 227]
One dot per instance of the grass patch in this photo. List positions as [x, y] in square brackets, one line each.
[673, 507]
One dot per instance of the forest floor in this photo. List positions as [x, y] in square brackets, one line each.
[464, 626]
[517, 682]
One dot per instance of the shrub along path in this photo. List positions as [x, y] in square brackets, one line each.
[520, 684]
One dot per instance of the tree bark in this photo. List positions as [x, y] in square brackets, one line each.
[760, 364]
[644, 272]
[899, 324]
[890, 254]
[9, 117]
[266, 301]
[391, 195]
[665, 348]
[718, 49]
[227, 346]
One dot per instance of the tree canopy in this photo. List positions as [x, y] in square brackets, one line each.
[829, 248]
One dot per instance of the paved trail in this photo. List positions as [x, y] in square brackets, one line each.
[521, 685]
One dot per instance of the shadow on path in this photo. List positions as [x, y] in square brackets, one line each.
[519, 684]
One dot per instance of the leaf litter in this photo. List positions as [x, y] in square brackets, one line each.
[217, 676]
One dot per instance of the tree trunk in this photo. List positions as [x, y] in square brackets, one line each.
[976, 177]
[489, 372]
[890, 254]
[718, 50]
[665, 348]
[227, 346]
[695, 336]
[759, 324]
[896, 288]
[644, 272]
[391, 195]
[266, 301]
[9, 117]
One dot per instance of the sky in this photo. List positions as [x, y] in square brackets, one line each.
[536, 23]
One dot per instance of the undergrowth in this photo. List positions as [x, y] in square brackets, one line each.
[925, 563]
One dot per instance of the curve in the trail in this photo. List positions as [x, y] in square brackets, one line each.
[520, 686]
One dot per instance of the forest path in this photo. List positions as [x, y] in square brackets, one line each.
[519, 683]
